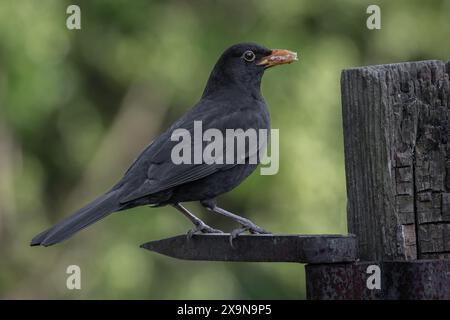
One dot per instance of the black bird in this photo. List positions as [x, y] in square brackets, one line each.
[232, 99]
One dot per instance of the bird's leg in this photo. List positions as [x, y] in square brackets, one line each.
[246, 224]
[199, 224]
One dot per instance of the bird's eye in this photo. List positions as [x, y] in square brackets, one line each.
[249, 56]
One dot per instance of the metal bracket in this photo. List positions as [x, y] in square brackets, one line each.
[258, 248]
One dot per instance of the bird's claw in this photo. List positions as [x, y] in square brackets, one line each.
[250, 227]
[203, 228]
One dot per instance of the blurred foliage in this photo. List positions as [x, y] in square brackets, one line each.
[77, 106]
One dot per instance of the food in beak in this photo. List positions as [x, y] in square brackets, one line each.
[278, 57]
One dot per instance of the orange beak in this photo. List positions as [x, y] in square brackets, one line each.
[278, 57]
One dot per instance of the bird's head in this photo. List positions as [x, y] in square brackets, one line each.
[243, 65]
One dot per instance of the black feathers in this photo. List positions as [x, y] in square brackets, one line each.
[231, 100]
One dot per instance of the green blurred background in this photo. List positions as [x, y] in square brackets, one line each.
[77, 106]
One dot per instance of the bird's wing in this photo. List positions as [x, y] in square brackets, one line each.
[155, 163]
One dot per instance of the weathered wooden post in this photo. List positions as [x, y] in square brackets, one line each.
[397, 151]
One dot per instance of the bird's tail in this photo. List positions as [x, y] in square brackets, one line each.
[94, 211]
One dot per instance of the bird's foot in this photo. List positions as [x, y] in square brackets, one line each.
[247, 226]
[203, 228]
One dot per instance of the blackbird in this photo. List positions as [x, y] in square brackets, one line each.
[232, 99]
